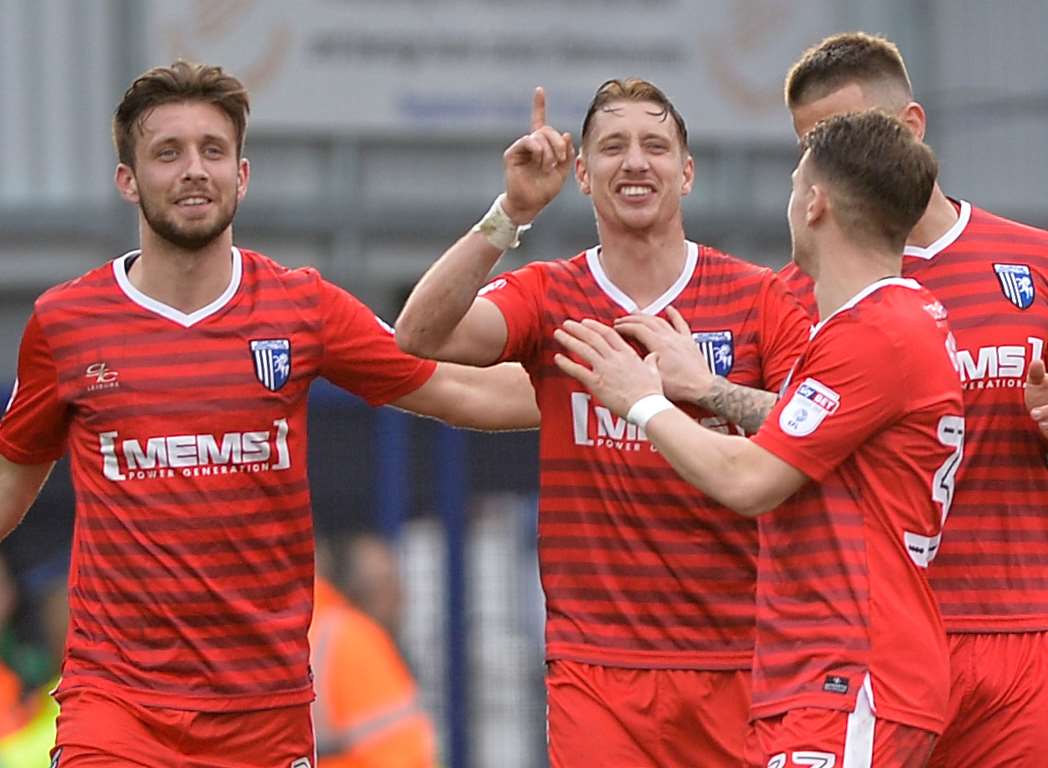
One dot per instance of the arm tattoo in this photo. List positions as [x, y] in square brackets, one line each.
[738, 404]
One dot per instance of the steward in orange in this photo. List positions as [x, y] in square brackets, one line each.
[367, 713]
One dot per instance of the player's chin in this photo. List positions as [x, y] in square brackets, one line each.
[639, 217]
[196, 235]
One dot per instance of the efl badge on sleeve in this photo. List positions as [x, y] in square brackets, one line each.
[718, 348]
[272, 362]
[1016, 283]
[812, 402]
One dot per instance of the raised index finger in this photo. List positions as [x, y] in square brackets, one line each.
[538, 109]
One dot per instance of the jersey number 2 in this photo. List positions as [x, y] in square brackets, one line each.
[923, 549]
[951, 435]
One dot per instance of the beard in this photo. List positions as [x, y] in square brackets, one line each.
[187, 238]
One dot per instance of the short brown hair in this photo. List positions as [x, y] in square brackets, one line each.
[880, 175]
[182, 81]
[633, 89]
[839, 60]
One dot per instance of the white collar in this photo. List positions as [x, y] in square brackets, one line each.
[903, 282]
[947, 239]
[159, 308]
[617, 295]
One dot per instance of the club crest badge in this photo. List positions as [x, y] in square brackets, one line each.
[272, 358]
[718, 347]
[1016, 283]
[812, 402]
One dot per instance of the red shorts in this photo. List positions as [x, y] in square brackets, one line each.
[808, 737]
[98, 730]
[998, 711]
[610, 717]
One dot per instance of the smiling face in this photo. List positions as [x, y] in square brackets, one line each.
[634, 167]
[187, 177]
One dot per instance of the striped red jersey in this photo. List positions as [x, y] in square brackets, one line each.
[639, 568]
[873, 415]
[191, 580]
[802, 287]
[991, 274]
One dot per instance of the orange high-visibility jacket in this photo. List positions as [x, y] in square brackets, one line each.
[11, 714]
[367, 712]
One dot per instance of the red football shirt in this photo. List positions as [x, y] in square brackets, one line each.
[639, 568]
[191, 580]
[991, 274]
[802, 287]
[873, 415]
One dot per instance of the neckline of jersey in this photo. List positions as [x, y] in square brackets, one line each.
[884, 282]
[168, 312]
[948, 238]
[619, 296]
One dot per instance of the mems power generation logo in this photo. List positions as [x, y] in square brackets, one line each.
[203, 455]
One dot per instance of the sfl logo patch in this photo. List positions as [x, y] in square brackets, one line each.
[812, 402]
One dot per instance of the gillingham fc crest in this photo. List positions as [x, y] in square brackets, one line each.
[1016, 283]
[718, 347]
[272, 359]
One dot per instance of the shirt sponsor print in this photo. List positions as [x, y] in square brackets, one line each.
[205, 455]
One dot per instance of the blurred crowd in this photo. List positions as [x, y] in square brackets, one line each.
[33, 621]
[367, 712]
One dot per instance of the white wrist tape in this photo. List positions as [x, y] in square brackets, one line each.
[499, 228]
[641, 412]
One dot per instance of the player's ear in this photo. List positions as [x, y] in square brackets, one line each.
[914, 118]
[243, 175]
[817, 204]
[581, 174]
[689, 175]
[126, 183]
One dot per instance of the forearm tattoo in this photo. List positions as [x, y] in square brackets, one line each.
[740, 405]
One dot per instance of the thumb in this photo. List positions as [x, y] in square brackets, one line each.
[1036, 374]
[652, 361]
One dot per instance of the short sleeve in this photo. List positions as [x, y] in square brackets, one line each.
[845, 390]
[34, 426]
[785, 330]
[518, 296]
[361, 354]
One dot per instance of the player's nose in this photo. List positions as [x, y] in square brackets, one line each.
[636, 158]
[195, 167]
